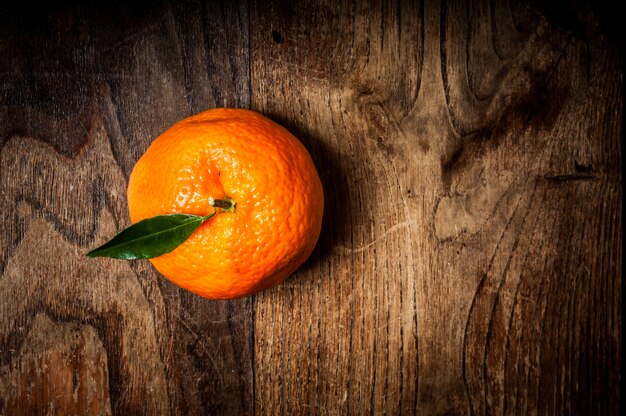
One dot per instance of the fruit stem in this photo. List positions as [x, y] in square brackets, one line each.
[225, 204]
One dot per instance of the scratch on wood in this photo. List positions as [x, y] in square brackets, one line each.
[378, 239]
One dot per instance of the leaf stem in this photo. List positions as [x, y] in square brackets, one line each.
[225, 204]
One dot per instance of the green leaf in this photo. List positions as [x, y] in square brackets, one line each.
[151, 237]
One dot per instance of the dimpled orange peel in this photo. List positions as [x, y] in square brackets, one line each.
[257, 179]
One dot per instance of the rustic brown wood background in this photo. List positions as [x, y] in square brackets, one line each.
[469, 261]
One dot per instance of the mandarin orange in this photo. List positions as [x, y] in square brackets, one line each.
[264, 169]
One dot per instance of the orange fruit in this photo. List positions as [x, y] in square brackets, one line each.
[242, 155]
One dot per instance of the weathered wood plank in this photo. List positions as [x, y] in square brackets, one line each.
[351, 315]
[85, 90]
[470, 156]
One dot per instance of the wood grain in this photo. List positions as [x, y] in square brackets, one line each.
[469, 261]
[86, 91]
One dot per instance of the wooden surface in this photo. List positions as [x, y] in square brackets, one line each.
[469, 261]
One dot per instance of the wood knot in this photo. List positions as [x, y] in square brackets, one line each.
[277, 37]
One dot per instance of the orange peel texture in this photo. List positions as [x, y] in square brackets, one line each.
[242, 155]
